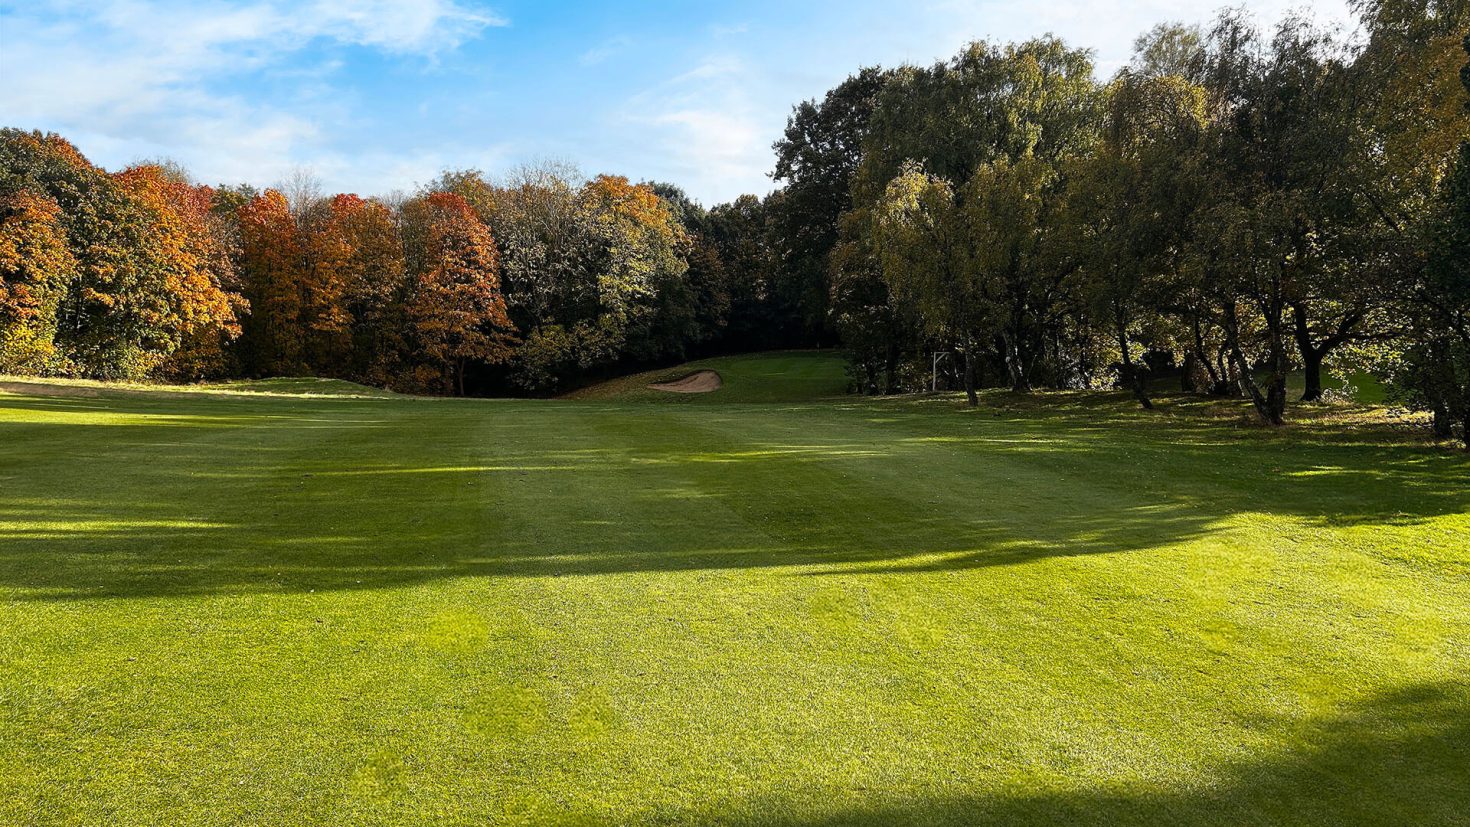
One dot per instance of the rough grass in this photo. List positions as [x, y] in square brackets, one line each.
[258, 609]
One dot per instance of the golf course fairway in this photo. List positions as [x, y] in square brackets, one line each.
[307, 602]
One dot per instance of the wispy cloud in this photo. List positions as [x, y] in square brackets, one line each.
[704, 122]
[376, 94]
[157, 77]
[721, 30]
[408, 26]
[611, 47]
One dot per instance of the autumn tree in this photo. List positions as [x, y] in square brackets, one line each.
[271, 264]
[374, 286]
[147, 276]
[35, 267]
[586, 265]
[183, 245]
[456, 312]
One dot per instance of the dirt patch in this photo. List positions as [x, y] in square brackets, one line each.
[702, 381]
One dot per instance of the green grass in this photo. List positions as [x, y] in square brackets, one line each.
[786, 376]
[292, 386]
[304, 609]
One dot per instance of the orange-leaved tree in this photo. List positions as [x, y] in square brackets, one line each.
[191, 300]
[271, 268]
[35, 267]
[353, 289]
[456, 311]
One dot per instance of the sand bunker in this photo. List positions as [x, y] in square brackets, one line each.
[702, 381]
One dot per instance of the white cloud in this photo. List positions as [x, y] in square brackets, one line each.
[731, 30]
[248, 89]
[410, 26]
[129, 78]
[706, 130]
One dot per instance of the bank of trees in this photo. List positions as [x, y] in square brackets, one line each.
[1230, 207]
[528, 285]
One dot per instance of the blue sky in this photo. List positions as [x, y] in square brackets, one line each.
[378, 95]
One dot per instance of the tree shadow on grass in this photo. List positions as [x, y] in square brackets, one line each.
[1397, 759]
[915, 493]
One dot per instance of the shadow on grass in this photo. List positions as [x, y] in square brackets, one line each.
[1398, 759]
[241, 497]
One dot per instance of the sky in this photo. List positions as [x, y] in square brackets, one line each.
[374, 96]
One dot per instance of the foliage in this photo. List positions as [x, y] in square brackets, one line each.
[148, 277]
[271, 254]
[1231, 207]
[817, 159]
[1433, 371]
[455, 307]
[35, 268]
[185, 247]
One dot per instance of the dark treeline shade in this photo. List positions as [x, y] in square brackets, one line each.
[1231, 206]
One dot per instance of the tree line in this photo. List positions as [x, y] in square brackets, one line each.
[522, 286]
[1231, 206]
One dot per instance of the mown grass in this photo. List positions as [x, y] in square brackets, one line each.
[247, 609]
[783, 376]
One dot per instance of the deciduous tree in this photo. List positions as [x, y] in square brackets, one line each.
[456, 310]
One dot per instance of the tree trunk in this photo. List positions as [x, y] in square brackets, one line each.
[1444, 425]
[1219, 383]
[1272, 404]
[970, 396]
[1312, 368]
[1132, 377]
[1276, 389]
[1224, 384]
[1015, 367]
[890, 369]
[1311, 354]
[1275, 412]
[1276, 398]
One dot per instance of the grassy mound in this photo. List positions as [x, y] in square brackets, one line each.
[788, 376]
[287, 607]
